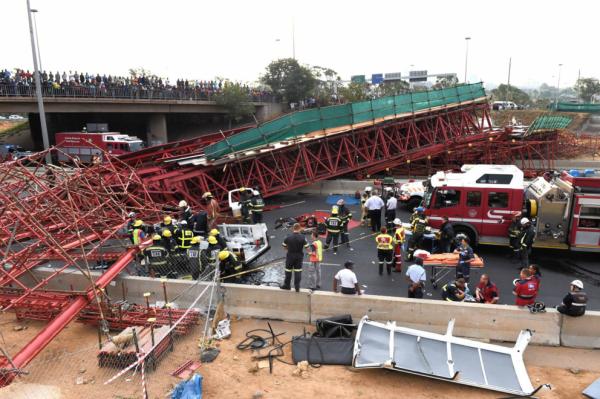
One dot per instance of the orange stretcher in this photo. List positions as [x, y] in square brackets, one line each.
[443, 264]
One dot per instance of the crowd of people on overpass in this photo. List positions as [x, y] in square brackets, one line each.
[20, 82]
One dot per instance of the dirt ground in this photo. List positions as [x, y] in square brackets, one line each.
[55, 374]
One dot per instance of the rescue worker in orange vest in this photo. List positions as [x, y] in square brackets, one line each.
[399, 237]
[315, 258]
[385, 250]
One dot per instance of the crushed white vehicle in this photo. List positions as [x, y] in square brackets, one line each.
[444, 357]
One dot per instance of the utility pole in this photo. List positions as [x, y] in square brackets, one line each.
[38, 86]
[508, 93]
[293, 39]
[466, 56]
[557, 88]
[37, 40]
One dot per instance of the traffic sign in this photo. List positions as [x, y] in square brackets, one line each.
[358, 79]
[376, 78]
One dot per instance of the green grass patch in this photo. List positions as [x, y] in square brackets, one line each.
[14, 127]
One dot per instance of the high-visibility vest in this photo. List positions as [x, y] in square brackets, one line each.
[384, 242]
[317, 253]
[137, 235]
[399, 235]
[184, 238]
[419, 225]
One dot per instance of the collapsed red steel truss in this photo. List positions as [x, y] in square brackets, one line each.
[461, 132]
[68, 215]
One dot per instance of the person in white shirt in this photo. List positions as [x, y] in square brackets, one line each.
[390, 211]
[374, 205]
[347, 280]
[416, 277]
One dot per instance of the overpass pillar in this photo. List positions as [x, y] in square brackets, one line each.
[157, 129]
[268, 111]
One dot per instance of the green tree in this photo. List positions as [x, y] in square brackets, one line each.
[355, 92]
[586, 88]
[510, 93]
[234, 98]
[327, 83]
[445, 82]
[392, 88]
[137, 72]
[289, 80]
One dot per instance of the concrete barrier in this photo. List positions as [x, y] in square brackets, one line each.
[581, 332]
[493, 322]
[267, 302]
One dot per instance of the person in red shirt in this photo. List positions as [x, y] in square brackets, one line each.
[526, 289]
[486, 291]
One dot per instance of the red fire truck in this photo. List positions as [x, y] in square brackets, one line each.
[481, 200]
[87, 145]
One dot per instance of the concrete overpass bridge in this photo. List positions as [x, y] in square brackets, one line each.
[157, 119]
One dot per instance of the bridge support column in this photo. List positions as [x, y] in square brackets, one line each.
[157, 129]
[268, 111]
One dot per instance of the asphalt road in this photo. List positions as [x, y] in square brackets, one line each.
[558, 268]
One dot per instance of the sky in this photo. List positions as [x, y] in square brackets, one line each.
[236, 39]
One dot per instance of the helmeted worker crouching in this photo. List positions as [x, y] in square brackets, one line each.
[385, 250]
[229, 265]
[575, 302]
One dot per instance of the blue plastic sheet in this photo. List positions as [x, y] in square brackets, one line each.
[348, 199]
[190, 389]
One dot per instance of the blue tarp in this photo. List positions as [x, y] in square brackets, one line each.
[348, 199]
[190, 389]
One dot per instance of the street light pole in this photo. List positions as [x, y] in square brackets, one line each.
[38, 87]
[37, 40]
[466, 56]
[557, 88]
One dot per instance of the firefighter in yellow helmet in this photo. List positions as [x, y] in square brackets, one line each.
[167, 224]
[138, 234]
[220, 240]
[228, 264]
[167, 240]
[194, 259]
[334, 227]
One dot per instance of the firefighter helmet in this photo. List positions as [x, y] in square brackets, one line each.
[334, 210]
[167, 233]
[212, 240]
[340, 202]
[156, 237]
[167, 220]
[524, 221]
[397, 222]
[223, 255]
[138, 223]
[183, 204]
[196, 240]
[214, 232]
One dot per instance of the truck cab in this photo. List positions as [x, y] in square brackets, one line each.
[480, 201]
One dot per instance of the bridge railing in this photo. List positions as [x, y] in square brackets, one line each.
[122, 92]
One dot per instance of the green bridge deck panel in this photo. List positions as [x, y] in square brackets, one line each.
[336, 116]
